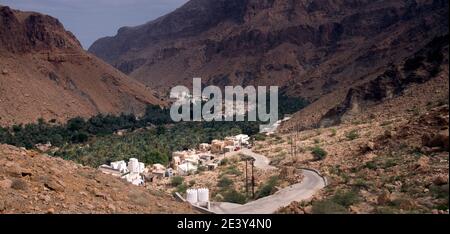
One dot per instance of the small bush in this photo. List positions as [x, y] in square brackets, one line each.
[389, 163]
[440, 192]
[234, 196]
[333, 132]
[319, 153]
[259, 137]
[192, 183]
[19, 184]
[328, 207]
[352, 135]
[176, 181]
[371, 165]
[224, 182]
[361, 183]
[224, 162]
[233, 170]
[345, 198]
[182, 188]
[268, 188]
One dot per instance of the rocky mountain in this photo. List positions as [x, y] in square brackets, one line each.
[34, 183]
[45, 73]
[310, 48]
[414, 83]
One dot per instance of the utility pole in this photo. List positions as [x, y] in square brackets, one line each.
[246, 178]
[253, 179]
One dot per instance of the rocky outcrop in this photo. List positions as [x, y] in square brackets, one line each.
[309, 47]
[45, 73]
[23, 32]
[420, 68]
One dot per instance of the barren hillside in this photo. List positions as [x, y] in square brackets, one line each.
[310, 48]
[44, 72]
[34, 183]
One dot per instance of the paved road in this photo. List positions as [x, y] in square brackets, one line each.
[261, 161]
[310, 184]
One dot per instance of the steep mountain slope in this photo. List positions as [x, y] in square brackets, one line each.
[44, 72]
[35, 183]
[420, 79]
[310, 48]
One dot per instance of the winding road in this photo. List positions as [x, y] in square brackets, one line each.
[312, 182]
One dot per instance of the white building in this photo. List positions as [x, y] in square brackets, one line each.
[131, 172]
[120, 166]
[186, 168]
[242, 139]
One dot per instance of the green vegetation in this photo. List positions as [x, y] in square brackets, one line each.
[352, 135]
[319, 153]
[234, 196]
[371, 165]
[268, 188]
[233, 170]
[150, 138]
[259, 137]
[182, 188]
[441, 192]
[346, 198]
[328, 207]
[333, 132]
[79, 130]
[338, 204]
[145, 145]
[224, 182]
[176, 181]
[224, 162]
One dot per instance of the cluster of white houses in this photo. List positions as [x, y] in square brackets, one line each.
[207, 156]
[131, 172]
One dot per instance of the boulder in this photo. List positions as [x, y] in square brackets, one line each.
[370, 145]
[440, 139]
[54, 185]
[308, 210]
[5, 72]
[440, 180]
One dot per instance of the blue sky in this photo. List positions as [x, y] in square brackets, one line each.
[92, 19]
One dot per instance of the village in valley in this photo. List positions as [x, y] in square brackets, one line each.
[184, 164]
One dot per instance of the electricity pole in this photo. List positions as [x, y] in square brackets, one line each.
[246, 178]
[253, 179]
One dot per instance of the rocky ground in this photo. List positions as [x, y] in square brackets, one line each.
[36, 183]
[396, 165]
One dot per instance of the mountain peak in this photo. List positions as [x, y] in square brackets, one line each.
[45, 73]
[25, 31]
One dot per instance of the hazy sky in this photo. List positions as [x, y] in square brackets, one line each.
[92, 19]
